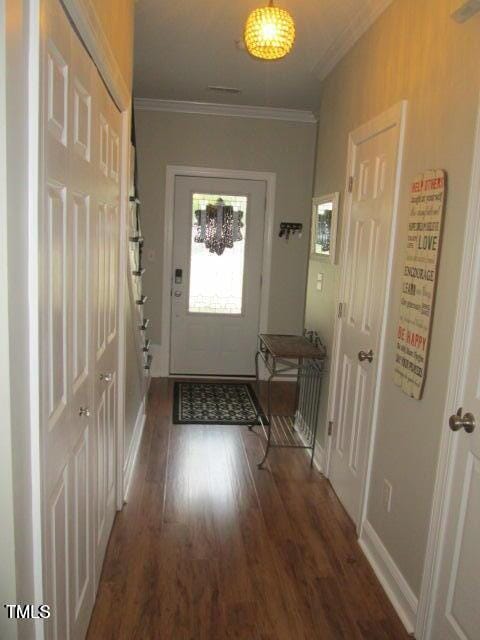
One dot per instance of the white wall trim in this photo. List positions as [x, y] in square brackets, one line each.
[355, 28]
[8, 585]
[454, 399]
[393, 117]
[132, 453]
[396, 587]
[217, 109]
[34, 112]
[88, 25]
[172, 172]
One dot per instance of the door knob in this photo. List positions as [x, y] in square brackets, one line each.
[466, 422]
[178, 294]
[84, 411]
[106, 377]
[364, 355]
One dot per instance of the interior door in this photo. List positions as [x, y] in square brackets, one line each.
[107, 177]
[77, 303]
[457, 605]
[65, 313]
[216, 298]
[368, 236]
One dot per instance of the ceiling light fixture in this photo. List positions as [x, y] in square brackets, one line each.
[269, 32]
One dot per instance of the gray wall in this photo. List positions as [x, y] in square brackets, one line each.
[286, 148]
[414, 51]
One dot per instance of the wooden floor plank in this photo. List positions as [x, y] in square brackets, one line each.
[209, 547]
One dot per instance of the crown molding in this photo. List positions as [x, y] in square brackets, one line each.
[214, 109]
[348, 37]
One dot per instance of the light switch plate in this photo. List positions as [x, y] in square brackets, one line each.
[319, 281]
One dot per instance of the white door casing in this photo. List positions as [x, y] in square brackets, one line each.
[374, 163]
[450, 595]
[74, 192]
[211, 343]
[162, 367]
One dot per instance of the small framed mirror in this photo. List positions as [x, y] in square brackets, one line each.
[324, 226]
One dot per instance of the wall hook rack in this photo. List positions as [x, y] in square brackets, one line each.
[290, 228]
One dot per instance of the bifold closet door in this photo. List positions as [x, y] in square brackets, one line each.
[79, 219]
[105, 347]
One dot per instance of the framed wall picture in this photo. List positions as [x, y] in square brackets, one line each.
[324, 226]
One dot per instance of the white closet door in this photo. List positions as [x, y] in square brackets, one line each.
[106, 169]
[78, 310]
[56, 356]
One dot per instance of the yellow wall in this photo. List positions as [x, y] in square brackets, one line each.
[116, 17]
[415, 51]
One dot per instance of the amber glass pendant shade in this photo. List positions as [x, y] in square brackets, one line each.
[269, 33]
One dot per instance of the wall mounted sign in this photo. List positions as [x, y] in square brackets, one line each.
[418, 281]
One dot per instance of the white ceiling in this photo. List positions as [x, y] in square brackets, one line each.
[182, 46]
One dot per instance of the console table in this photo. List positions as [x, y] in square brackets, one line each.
[283, 355]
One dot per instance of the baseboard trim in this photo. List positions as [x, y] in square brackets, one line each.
[396, 587]
[134, 447]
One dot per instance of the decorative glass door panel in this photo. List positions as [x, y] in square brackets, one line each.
[217, 254]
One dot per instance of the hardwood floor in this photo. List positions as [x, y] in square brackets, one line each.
[211, 548]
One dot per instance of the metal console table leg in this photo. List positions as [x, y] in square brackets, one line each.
[269, 418]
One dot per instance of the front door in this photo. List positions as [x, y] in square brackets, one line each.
[216, 275]
[457, 604]
[368, 237]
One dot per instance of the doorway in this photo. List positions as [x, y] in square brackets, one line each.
[373, 170]
[449, 605]
[215, 302]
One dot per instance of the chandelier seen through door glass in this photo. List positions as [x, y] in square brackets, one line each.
[218, 226]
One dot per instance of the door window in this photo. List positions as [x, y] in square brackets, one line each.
[216, 279]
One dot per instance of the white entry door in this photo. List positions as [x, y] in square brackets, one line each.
[79, 280]
[216, 298]
[457, 604]
[368, 231]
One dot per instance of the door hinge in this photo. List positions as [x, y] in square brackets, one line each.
[330, 427]
[350, 184]
[340, 309]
